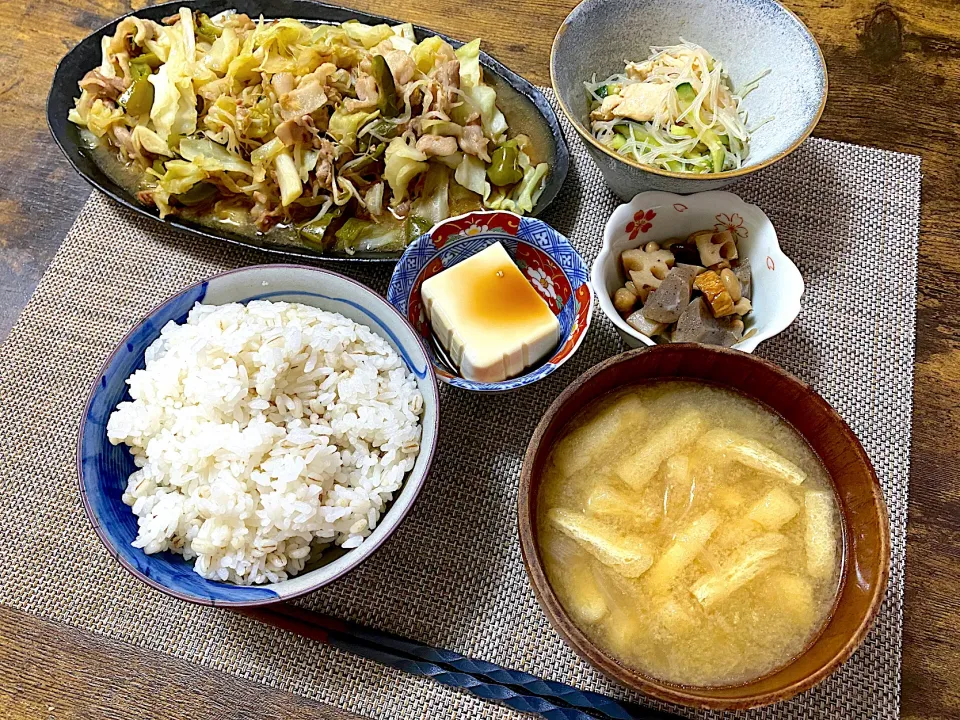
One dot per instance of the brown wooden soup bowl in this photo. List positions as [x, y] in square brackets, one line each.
[866, 534]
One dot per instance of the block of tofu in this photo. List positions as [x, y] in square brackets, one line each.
[752, 454]
[774, 510]
[584, 599]
[624, 417]
[793, 596]
[629, 557]
[820, 535]
[488, 317]
[637, 467]
[743, 566]
[678, 482]
[682, 551]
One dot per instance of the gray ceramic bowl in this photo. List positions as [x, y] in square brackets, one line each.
[748, 36]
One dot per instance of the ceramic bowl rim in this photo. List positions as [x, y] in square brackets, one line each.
[660, 197]
[519, 381]
[706, 177]
[430, 382]
[589, 651]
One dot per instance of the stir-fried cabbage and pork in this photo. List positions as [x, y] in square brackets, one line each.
[357, 135]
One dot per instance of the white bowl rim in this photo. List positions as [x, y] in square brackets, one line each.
[648, 199]
[298, 585]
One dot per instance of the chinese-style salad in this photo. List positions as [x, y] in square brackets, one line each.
[357, 136]
[676, 111]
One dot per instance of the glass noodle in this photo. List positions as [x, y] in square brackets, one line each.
[691, 121]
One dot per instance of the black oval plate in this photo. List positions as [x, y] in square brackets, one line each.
[86, 56]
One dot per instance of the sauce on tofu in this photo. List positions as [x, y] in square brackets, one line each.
[691, 533]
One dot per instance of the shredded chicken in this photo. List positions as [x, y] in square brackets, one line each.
[638, 101]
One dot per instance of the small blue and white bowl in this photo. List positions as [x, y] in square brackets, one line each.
[104, 467]
[545, 257]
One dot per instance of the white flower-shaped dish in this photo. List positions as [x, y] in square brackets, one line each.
[655, 216]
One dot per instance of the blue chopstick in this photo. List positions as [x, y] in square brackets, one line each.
[518, 690]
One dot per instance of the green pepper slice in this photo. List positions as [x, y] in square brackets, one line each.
[350, 232]
[504, 166]
[138, 98]
[147, 59]
[199, 193]
[314, 233]
[206, 29]
[388, 90]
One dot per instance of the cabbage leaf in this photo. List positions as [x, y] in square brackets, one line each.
[344, 125]
[433, 202]
[469, 57]
[432, 51]
[287, 178]
[367, 35]
[213, 157]
[472, 174]
[483, 99]
[224, 49]
[148, 140]
[174, 110]
[403, 163]
[100, 117]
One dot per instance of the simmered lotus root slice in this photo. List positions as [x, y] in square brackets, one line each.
[715, 293]
[715, 247]
[646, 269]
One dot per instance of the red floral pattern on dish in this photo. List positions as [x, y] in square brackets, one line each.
[680, 207]
[732, 223]
[582, 296]
[416, 313]
[545, 275]
[473, 224]
[642, 221]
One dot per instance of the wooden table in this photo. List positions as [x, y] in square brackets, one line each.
[894, 83]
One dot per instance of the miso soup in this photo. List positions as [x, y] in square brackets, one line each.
[691, 533]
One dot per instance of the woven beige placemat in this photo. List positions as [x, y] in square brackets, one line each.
[452, 575]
